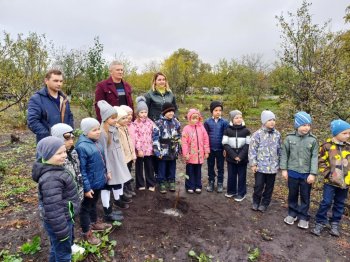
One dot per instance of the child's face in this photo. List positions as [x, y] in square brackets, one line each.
[68, 140]
[194, 119]
[217, 112]
[94, 133]
[123, 121]
[304, 129]
[143, 114]
[59, 157]
[129, 116]
[169, 115]
[237, 120]
[112, 120]
[270, 124]
[343, 136]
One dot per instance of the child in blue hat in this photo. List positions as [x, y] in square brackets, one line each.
[333, 164]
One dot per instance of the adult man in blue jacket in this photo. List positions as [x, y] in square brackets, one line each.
[49, 106]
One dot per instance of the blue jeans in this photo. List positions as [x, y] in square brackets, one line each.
[298, 186]
[166, 171]
[60, 250]
[219, 158]
[331, 195]
[236, 172]
[194, 171]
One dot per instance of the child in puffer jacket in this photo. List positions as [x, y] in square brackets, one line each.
[166, 146]
[58, 196]
[195, 148]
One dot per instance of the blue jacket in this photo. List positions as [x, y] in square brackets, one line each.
[215, 132]
[92, 163]
[43, 113]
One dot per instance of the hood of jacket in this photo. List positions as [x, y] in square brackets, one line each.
[44, 92]
[83, 139]
[39, 169]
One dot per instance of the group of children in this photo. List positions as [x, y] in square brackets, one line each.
[101, 163]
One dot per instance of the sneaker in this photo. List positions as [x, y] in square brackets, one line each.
[303, 224]
[91, 239]
[198, 190]
[162, 188]
[152, 188]
[220, 188]
[317, 229]
[229, 195]
[290, 220]
[100, 227]
[121, 204]
[210, 186]
[172, 187]
[77, 249]
[240, 198]
[255, 207]
[334, 229]
[262, 208]
[190, 191]
[141, 188]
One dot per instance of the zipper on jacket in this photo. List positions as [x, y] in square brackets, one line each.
[197, 144]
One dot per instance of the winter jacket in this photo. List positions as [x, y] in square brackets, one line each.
[106, 90]
[127, 144]
[43, 113]
[195, 141]
[155, 100]
[265, 150]
[333, 163]
[166, 138]
[236, 141]
[92, 163]
[72, 164]
[143, 136]
[115, 161]
[300, 153]
[58, 197]
[215, 130]
[132, 130]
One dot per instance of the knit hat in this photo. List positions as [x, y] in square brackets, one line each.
[338, 126]
[121, 112]
[301, 118]
[267, 115]
[141, 104]
[106, 110]
[193, 111]
[215, 104]
[167, 107]
[60, 129]
[48, 146]
[127, 109]
[87, 124]
[235, 113]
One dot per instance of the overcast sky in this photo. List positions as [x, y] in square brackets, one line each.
[146, 30]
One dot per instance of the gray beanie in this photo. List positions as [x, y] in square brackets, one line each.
[106, 110]
[235, 113]
[267, 115]
[87, 124]
[60, 129]
[141, 104]
[47, 147]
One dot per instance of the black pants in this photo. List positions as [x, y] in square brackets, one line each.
[145, 165]
[263, 188]
[299, 187]
[88, 212]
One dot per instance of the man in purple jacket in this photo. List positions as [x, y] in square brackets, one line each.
[114, 90]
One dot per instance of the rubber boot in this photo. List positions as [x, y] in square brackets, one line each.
[109, 216]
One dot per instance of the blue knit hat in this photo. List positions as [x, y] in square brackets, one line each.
[48, 146]
[338, 126]
[302, 118]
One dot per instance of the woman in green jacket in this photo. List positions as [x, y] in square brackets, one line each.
[158, 95]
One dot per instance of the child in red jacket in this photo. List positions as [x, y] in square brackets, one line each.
[195, 148]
